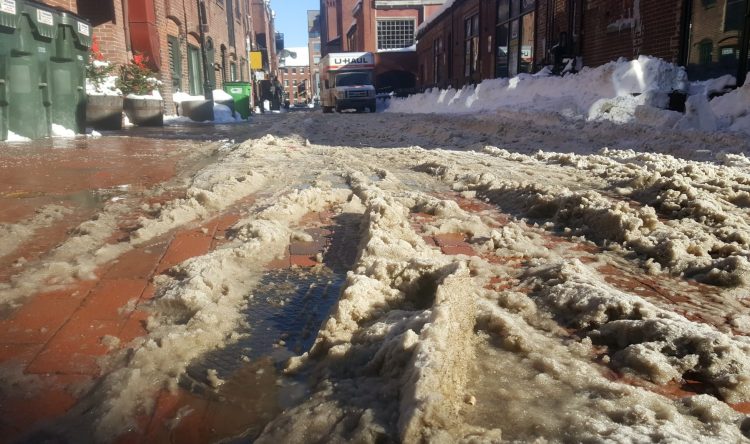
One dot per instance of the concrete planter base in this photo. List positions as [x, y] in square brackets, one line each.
[144, 112]
[197, 110]
[104, 112]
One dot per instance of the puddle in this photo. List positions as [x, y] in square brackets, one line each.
[283, 319]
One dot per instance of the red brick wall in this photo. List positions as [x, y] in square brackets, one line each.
[178, 19]
[656, 33]
[552, 18]
[286, 75]
[111, 35]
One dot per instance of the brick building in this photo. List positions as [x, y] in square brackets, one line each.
[473, 40]
[383, 27]
[314, 50]
[264, 36]
[295, 75]
[168, 33]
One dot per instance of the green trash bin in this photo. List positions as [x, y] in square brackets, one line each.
[241, 93]
[29, 92]
[68, 72]
[8, 25]
[26, 66]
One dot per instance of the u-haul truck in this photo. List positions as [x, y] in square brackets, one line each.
[346, 80]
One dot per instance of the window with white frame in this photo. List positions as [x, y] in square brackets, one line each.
[395, 33]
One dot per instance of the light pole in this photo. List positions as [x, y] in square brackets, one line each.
[207, 92]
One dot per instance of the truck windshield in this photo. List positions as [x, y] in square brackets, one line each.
[353, 78]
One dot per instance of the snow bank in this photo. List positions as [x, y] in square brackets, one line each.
[220, 94]
[733, 109]
[591, 93]
[61, 131]
[223, 114]
[621, 91]
[180, 97]
[13, 137]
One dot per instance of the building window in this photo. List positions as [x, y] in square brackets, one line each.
[395, 33]
[514, 37]
[728, 56]
[734, 15]
[233, 71]
[471, 45]
[286, 83]
[195, 78]
[316, 59]
[294, 70]
[175, 63]
[705, 50]
[294, 83]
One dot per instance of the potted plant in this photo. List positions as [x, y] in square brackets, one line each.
[103, 99]
[143, 104]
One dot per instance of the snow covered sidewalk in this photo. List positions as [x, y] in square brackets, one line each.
[588, 277]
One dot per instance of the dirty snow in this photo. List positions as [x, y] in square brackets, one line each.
[608, 277]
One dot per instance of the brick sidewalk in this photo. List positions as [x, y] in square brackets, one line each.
[58, 337]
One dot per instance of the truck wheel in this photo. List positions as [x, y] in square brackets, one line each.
[327, 109]
[338, 108]
[373, 106]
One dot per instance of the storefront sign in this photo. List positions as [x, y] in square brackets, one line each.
[256, 60]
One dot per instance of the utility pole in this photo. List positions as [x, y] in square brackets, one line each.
[202, 21]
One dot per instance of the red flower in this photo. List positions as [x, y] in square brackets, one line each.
[95, 51]
[140, 60]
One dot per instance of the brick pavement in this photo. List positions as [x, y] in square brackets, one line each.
[59, 337]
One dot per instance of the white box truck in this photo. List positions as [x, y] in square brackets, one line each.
[346, 80]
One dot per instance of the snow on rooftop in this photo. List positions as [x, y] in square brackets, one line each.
[298, 56]
[436, 14]
[411, 48]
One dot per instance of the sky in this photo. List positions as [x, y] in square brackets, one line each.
[291, 19]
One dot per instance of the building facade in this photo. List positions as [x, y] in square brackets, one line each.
[168, 33]
[474, 40]
[315, 51]
[386, 28]
[295, 74]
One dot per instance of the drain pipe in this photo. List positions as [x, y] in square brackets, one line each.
[202, 21]
[126, 28]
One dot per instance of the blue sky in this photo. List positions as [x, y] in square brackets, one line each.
[291, 19]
